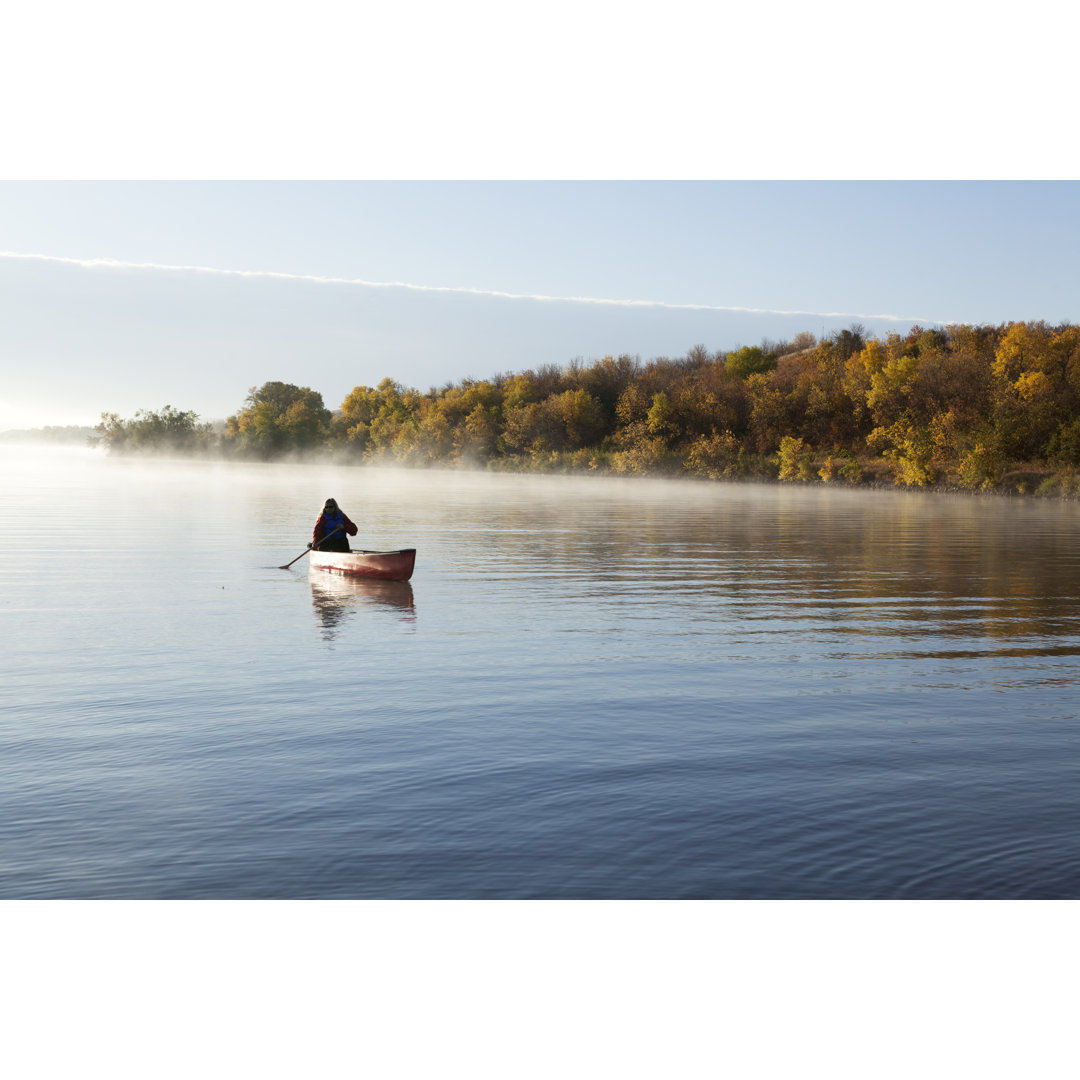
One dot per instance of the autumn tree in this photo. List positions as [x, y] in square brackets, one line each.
[279, 418]
[606, 380]
[381, 421]
[1036, 386]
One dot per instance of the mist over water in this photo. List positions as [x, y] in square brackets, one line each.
[590, 688]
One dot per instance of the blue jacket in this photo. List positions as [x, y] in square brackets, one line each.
[327, 523]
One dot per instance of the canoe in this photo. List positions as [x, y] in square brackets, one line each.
[388, 565]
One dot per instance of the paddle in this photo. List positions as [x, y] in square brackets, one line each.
[310, 549]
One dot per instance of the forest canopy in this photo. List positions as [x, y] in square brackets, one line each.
[968, 406]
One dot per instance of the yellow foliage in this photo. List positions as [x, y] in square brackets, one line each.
[1022, 348]
[873, 357]
[632, 405]
[716, 456]
[910, 447]
[1033, 386]
[981, 467]
[518, 391]
[659, 414]
[794, 459]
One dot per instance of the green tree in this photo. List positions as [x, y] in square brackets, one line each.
[519, 390]
[749, 360]
[533, 429]
[279, 418]
[479, 433]
[170, 431]
[383, 421]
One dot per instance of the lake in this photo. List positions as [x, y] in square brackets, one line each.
[591, 688]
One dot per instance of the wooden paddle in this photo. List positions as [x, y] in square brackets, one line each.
[310, 548]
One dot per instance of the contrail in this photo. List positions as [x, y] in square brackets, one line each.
[117, 264]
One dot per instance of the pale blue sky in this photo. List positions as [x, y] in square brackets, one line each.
[721, 263]
[556, 105]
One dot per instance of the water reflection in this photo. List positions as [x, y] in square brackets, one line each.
[634, 691]
[886, 575]
[336, 596]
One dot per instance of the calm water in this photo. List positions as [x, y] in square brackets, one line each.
[589, 689]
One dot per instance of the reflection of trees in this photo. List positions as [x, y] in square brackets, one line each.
[335, 596]
[966, 572]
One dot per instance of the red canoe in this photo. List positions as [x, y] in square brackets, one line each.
[389, 565]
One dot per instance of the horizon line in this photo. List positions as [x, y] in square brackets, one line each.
[119, 264]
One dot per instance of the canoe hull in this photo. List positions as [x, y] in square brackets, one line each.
[387, 565]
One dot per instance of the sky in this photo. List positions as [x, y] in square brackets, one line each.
[125, 295]
[195, 202]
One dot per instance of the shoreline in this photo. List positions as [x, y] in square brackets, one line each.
[1029, 481]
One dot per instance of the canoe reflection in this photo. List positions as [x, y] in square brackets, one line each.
[336, 595]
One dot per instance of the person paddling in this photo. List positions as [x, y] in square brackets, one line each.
[331, 528]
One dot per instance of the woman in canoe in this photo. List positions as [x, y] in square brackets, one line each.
[331, 528]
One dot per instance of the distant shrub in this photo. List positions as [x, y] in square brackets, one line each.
[842, 464]
[910, 448]
[716, 456]
[1064, 444]
[981, 467]
[794, 459]
[170, 431]
[1062, 485]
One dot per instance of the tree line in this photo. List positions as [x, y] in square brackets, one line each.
[976, 407]
[71, 433]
